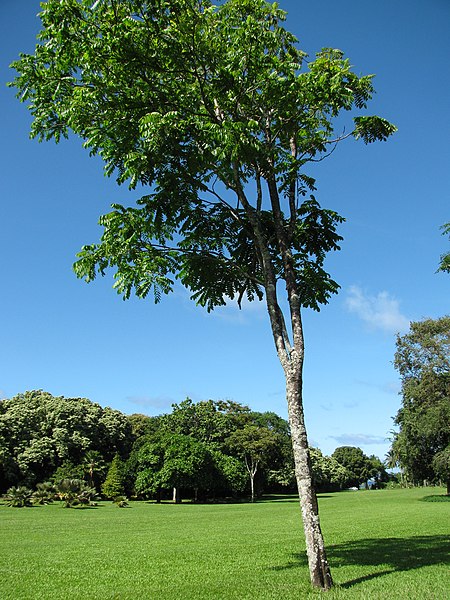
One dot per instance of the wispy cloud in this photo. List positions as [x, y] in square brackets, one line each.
[328, 407]
[389, 387]
[231, 311]
[381, 311]
[356, 439]
[151, 401]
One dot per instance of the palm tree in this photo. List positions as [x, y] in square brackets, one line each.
[93, 463]
[74, 492]
[19, 497]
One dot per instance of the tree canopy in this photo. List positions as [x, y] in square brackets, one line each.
[209, 449]
[40, 432]
[422, 358]
[359, 467]
[197, 98]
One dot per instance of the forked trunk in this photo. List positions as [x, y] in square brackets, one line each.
[291, 358]
[290, 353]
[251, 467]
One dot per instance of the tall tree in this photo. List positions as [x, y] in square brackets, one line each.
[423, 361]
[93, 466]
[356, 463]
[206, 421]
[328, 473]
[113, 486]
[254, 444]
[210, 104]
[441, 466]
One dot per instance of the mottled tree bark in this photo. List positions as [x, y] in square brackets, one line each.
[291, 357]
[290, 351]
[318, 565]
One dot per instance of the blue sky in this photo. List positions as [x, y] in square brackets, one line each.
[73, 339]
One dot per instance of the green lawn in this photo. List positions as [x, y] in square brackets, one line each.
[382, 544]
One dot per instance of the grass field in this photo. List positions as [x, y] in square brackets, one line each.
[387, 544]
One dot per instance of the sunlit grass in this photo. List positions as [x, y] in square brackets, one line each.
[381, 544]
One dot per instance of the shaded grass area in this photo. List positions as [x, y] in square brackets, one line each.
[436, 498]
[381, 544]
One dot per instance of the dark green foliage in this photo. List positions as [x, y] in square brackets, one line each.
[45, 493]
[75, 493]
[206, 421]
[113, 485]
[329, 474]
[93, 467]
[195, 449]
[242, 108]
[254, 445]
[231, 477]
[208, 425]
[41, 434]
[175, 461]
[19, 497]
[121, 501]
[142, 425]
[68, 470]
[445, 258]
[423, 361]
[441, 466]
[436, 498]
[358, 466]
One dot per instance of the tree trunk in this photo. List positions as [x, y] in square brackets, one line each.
[251, 469]
[448, 487]
[291, 358]
[176, 497]
[291, 355]
[318, 565]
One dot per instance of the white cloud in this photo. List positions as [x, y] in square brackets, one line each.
[379, 312]
[232, 312]
[389, 387]
[151, 401]
[356, 439]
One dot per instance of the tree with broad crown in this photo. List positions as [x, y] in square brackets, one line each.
[254, 444]
[441, 466]
[421, 445]
[209, 104]
[328, 473]
[357, 464]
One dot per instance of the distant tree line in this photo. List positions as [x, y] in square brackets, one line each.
[202, 451]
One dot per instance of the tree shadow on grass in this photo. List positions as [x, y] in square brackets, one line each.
[395, 554]
[278, 498]
[436, 498]
[287, 497]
